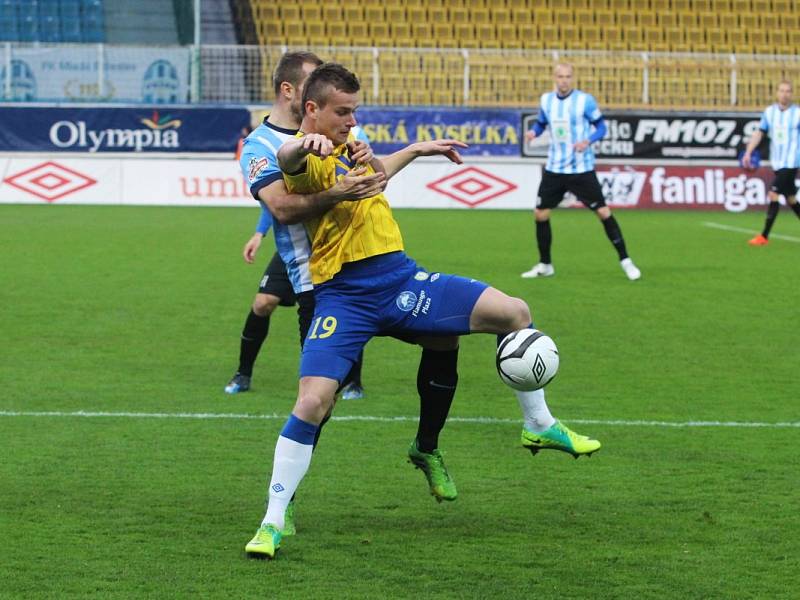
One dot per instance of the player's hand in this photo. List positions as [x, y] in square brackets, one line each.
[446, 147]
[360, 152]
[251, 248]
[357, 185]
[530, 135]
[581, 146]
[747, 160]
[317, 144]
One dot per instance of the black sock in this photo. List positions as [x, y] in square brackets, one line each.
[772, 214]
[614, 234]
[437, 379]
[253, 335]
[319, 429]
[796, 208]
[544, 239]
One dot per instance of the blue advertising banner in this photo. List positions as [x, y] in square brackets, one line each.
[488, 132]
[137, 130]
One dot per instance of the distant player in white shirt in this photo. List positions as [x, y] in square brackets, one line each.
[781, 122]
[571, 114]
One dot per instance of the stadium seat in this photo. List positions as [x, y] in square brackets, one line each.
[289, 12]
[27, 9]
[728, 21]
[316, 32]
[500, 15]
[332, 12]
[310, 12]
[521, 15]
[418, 14]
[28, 29]
[401, 35]
[8, 10]
[646, 19]
[459, 15]
[528, 34]
[543, 17]
[358, 33]
[395, 14]
[479, 16]
[71, 29]
[422, 32]
[354, 13]
[9, 29]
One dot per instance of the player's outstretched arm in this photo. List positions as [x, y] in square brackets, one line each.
[448, 148]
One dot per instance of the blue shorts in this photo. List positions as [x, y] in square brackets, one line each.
[382, 295]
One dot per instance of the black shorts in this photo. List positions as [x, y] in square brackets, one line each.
[276, 282]
[784, 182]
[585, 186]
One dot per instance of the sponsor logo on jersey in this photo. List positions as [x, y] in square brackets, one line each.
[256, 167]
[423, 304]
[421, 276]
[406, 301]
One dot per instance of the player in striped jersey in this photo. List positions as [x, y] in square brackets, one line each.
[571, 114]
[781, 122]
[365, 285]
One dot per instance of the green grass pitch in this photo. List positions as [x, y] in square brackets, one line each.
[137, 311]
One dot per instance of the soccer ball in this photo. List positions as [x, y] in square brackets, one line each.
[527, 360]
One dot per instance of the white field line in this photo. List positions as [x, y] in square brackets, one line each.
[772, 236]
[366, 418]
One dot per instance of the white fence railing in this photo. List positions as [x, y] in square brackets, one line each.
[390, 76]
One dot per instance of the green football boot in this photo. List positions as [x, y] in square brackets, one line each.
[265, 543]
[559, 437]
[288, 521]
[441, 484]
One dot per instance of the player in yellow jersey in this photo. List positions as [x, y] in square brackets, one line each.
[365, 285]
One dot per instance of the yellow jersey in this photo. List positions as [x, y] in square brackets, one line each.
[351, 230]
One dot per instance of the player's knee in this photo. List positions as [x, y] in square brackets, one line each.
[265, 304]
[603, 212]
[518, 315]
[312, 406]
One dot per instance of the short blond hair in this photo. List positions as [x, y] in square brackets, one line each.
[566, 65]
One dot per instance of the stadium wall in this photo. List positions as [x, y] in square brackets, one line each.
[138, 156]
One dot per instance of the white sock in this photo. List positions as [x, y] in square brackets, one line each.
[288, 469]
[534, 410]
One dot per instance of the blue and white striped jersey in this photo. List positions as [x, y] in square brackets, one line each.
[783, 127]
[260, 168]
[570, 120]
[259, 164]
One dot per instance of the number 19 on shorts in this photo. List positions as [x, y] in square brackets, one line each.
[328, 325]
